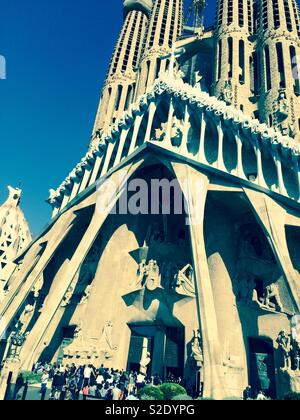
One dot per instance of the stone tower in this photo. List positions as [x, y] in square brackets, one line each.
[14, 233]
[120, 84]
[165, 27]
[278, 47]
[233, 53]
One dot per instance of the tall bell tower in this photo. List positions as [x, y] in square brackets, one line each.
[233, 53]
[279, 51]
[119, 87]
[165, 27]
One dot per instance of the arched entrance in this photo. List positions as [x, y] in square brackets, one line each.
[262, 366]
[164, 347]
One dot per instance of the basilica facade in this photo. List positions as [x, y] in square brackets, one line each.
[174, 243]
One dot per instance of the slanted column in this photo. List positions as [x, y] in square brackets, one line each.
[55, 211]
[137, 125]
[195, 186]
[278, 163]
[107, 157]
[123, 138]
[65, 275]
[186, 128]
[75, 189]
[201, 155]
[239, 144]
[86, 177]
[168, 138]
[97, 164]
[152, 110]
[221, 165]
[260, 174]
[66, 198]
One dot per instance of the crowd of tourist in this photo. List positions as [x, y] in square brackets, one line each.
[74, 383]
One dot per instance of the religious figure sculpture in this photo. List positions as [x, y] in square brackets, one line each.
[197, 349]
[184, 283]
[106, 343]
[152, 276]
[86, 295]
[272, 299]
[149, 275]
[285, 347]
[176, 132]
[282, 113]
[144, 363]
[227, 93]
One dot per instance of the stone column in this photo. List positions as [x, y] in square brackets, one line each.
[239, 143]
[137, 125]
[107, 157]
[95, 170]
[201, 155]
[185, 134]
[152, 110]
[221, 165]
[195, 186]
[278, 164]
[123, 138]
[85, 179]
[260, 175]
[167, 141]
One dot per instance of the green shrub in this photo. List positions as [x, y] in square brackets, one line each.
[32, 378]
[151, 393]
[172, 390]
[233, 399]
[205, 399]
[292, 396]
[182, 397]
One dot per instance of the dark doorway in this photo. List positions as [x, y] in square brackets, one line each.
[262, 366]
[165, 345]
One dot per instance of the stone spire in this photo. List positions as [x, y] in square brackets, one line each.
[165, 27]
[14, 233]
[233, 53]
[278, 47]
[119, 88]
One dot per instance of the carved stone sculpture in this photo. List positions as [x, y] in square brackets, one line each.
[197, 349]
[106, 343]
[285, 347]
[184, 283]
[227, 93]
[282, 113]
[148, 275]
[144, 363]
[273, 300]
[86, 295]
[152, 276]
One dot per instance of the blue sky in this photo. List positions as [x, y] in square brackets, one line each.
[57, 53]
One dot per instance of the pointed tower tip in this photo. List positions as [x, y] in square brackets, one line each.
[143, 5]
[14, 196]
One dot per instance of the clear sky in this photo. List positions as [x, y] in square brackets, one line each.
[57, 53]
